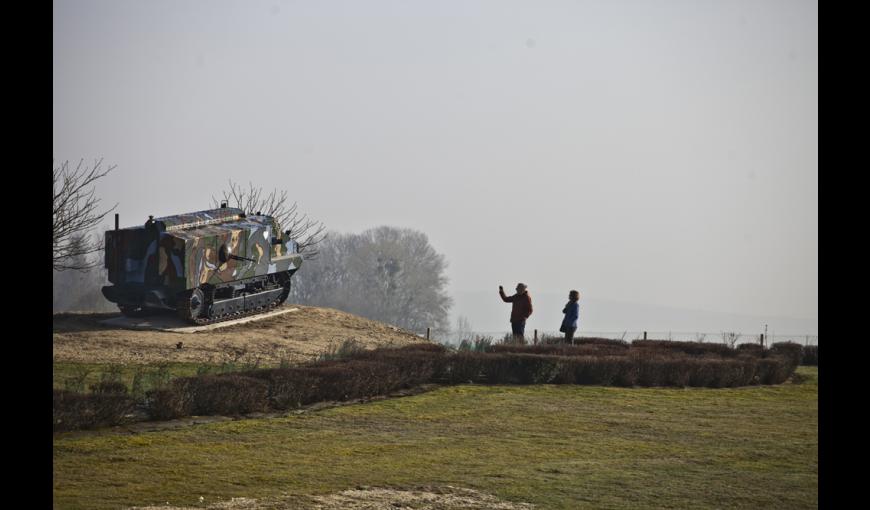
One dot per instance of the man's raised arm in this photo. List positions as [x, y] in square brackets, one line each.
[506, 299]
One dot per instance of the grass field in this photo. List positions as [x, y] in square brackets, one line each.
[552, 446]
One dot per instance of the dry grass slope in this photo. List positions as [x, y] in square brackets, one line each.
[293, 337]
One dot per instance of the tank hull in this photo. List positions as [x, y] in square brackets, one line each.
[204, 265]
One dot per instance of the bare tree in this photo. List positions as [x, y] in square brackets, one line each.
[388, 274]
[731, 338]
[463, 330]
[306, 232]
[74, 214]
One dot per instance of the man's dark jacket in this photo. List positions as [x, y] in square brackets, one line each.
[522, 308]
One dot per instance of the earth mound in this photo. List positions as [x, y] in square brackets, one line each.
[291, 338]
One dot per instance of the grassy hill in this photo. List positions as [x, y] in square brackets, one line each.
[293, 337]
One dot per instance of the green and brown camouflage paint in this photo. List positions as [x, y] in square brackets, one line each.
[182, 252]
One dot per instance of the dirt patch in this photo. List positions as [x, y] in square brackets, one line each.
[445, 498]
[292, 337]
[370, 498]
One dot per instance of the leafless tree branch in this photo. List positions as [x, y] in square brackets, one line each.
[74, 214]
[307, 233]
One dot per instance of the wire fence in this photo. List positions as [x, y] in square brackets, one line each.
[629, 336]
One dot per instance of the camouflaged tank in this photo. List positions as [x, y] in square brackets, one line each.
[208, 265]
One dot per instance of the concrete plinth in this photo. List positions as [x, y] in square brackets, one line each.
[174, 324]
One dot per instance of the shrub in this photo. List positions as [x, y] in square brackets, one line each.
[289, 387]
[700, 372]
[577, 370]
[810, 355]
[76, 382]
[725, 373]
[145, 380]
[551, 339]
[71, 411]
[587, 349]
[109, 387]
[751, 350]
[498, 368]
[173, 401]
[651, 370]
[414, 366]
[370, 373]
[690, 348]
[673, 371]
[626, 371]
[479, 344]
[355, 379]
[112, 374]
[601, 341]
[519, 368]
[603, 370]
[688, 370]
[793, 352]
[773, 370]
[464, 367]
[226, 394]
[421, 347]
[509, 338]
[346, 349]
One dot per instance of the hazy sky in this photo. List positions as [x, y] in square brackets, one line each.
[654, 152]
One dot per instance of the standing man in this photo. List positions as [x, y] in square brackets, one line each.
[522, 309]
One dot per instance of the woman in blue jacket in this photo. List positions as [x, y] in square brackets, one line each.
[572, 316]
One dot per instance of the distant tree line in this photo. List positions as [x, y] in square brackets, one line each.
[388, 274]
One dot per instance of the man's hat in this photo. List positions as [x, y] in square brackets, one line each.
[522, 286]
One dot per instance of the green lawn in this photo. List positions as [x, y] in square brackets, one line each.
[553, 446]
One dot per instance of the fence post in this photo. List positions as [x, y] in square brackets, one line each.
[761, 340]
[644, 335]
[536, 337]
[427, 333]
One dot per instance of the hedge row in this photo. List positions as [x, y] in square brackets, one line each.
[367, 374]
[582, 349]
[609, 347]
[632, 370]
[381, 371]
[691, 348]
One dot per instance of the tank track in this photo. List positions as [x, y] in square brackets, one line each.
[184, 309]
[236, 315]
